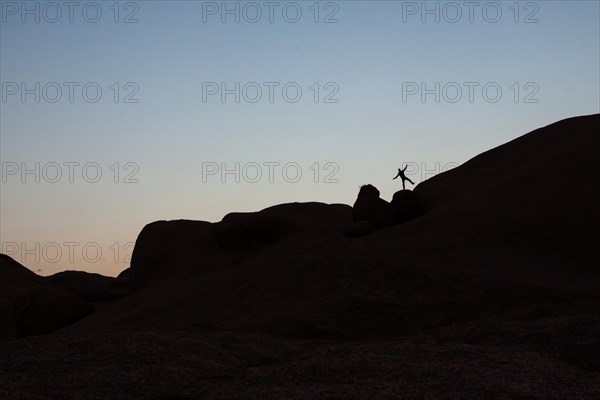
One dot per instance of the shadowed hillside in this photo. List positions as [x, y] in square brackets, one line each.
[491, 279]
[499, 237]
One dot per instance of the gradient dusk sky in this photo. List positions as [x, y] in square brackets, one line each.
[186, 90]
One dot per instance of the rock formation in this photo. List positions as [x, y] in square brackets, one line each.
[370, 207]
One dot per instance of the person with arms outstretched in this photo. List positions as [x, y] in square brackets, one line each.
[403, 177]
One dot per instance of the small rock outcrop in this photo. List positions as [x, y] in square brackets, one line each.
[406, 206]
[370, 207]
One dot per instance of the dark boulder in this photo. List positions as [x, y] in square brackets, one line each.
[243, 232]
[370, 207]
[406, 206]
[45, 310]
[168, 249]
[30, 305]
[165, 249]
[91, 287]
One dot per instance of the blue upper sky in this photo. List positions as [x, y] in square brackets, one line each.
[343, 92]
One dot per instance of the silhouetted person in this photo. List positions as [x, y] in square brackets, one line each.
[404, 178]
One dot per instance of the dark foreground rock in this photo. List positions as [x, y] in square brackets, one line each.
[551, 359]
[358, 229]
